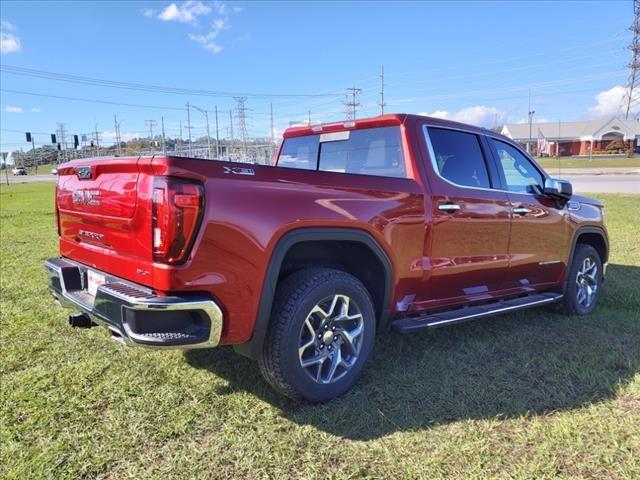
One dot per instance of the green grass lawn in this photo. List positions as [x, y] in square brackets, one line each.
[596, 162]
[528, 395]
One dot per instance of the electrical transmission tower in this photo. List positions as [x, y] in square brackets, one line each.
[633, 84]
[62, 140]
[352, 102]
[150, 124]
[241, 114]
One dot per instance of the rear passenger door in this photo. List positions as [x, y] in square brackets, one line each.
[469, 238]
[539, 228]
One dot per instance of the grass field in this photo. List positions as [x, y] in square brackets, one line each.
[596, 162]
[528, 395]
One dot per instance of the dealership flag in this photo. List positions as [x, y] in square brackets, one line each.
[543, 144]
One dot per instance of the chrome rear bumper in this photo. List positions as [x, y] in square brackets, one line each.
[133, 313]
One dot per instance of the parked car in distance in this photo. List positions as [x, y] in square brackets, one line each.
[399, 221]
[54, 171]
[19, 171]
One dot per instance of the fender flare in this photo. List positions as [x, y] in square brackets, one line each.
[254, 347]
[574, 241]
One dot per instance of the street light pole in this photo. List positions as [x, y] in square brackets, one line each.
[530, 113]
[206, 117]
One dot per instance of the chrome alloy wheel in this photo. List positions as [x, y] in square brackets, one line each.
[587, 282]
[331, 339]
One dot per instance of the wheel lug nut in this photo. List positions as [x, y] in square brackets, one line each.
[321, 346]
[319, 335]
[333, 328]
[335, 339]
[329, 347]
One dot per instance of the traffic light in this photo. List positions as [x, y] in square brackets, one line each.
[75, 141]
[28, 134]
[53, 138]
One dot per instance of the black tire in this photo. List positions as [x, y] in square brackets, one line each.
[572, 305]
[298, 294]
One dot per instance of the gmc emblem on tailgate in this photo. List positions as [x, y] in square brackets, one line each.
[86, 197]
[84, 173]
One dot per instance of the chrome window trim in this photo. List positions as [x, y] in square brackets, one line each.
[434, 165]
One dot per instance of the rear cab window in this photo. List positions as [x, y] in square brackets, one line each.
[371, 151]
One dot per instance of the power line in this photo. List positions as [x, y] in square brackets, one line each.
[30, 72]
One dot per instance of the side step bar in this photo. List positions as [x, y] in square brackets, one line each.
[434, 320]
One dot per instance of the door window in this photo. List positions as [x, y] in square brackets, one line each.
[458, 157]
[519, 173]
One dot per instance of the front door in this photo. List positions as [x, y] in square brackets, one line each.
[539, 227]
[468, 243]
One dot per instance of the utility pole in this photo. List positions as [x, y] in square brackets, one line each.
[241, 112]
[271, 131]
[530, 114]
[180, 136]
[230, 132]
[206, 117]
[634, 66]
[189, 126]
[382, 104]
[309, 118]
[97, 136]
[217, 134]
[33, 152]
[164, 140]
[118, 135]
[352, 105]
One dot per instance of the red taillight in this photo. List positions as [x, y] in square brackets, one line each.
[177, 211]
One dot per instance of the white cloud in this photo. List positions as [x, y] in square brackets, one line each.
[220, 7]
[148, 12]
[12, 109]
[35, 109]
[7, 26]
[237, 9]
[9, 42]
[206, 40]
[611, 102]
[480, 116]
[187, 12]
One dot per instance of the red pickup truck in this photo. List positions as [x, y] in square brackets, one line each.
[398, 221]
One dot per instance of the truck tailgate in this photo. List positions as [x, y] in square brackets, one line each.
[104, 215]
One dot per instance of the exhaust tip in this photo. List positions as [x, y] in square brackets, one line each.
[80, 320]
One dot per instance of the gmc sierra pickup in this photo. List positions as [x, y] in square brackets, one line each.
[399, 221]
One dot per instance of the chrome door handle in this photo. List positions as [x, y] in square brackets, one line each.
[521, 210]
[449, 207]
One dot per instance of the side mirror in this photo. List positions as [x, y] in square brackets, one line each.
[558, 188]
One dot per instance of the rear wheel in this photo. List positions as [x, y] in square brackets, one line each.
[320, 336]
[584, 282]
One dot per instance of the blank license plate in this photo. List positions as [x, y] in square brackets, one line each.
[94, 280]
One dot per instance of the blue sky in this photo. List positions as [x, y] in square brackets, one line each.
[473, 62]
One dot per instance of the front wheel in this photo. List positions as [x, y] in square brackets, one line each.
[584, 284]
[320, 336]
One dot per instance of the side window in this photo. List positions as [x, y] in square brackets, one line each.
[299, 152]
[519, 173]
[459, 157]
[372, 151]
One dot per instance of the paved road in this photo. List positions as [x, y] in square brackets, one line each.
[583, 180]
[27, 178]
[605, 183]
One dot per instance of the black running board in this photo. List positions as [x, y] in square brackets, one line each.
[434, 320]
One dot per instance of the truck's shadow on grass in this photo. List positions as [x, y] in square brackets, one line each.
[522, 364]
